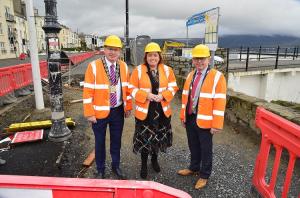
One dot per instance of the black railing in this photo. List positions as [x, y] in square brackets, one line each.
[256, 58]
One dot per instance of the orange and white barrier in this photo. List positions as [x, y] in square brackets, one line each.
[53, 187]
[283, 135]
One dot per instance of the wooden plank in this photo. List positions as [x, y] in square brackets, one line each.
[90, 159]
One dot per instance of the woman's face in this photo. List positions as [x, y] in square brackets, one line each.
[153, 59]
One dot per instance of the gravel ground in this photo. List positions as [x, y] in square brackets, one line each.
[232, 171]
[235, 150]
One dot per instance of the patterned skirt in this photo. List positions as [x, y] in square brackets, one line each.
[152, 137]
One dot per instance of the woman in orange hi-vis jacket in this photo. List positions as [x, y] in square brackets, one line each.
[106, 101]
[153, 86]
[202, 113]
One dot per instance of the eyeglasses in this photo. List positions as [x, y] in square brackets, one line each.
[200, 59]
[113, 49]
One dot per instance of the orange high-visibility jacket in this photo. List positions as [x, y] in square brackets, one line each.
[96, 92]
[140, 86]
[212, 100]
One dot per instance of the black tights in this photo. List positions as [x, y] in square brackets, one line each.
[144, 156]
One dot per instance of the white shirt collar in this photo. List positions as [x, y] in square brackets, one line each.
[108, 63]
[203, 71]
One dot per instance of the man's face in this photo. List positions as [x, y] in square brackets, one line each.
[112, 53]
[201, 63]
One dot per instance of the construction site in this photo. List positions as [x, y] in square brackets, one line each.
[236, 148]
[255, 155]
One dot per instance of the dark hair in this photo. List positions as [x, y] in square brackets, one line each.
[160, 58]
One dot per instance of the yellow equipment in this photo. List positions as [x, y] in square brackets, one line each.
[172, 44]
[36, 125]
[152, 47]
[200, 51]
[113, 41]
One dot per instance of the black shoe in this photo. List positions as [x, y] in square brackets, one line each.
[118, 172]
[155, 164]
[100, 175]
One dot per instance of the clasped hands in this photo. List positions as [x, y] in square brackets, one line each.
[153, 97]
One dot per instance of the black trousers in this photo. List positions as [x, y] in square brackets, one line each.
[200, 145]
[115, 120]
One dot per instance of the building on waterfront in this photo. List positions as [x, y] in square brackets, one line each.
[8, 31]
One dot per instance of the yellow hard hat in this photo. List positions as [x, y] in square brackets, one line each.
[152, 47]
[113, 41]
[200, 51]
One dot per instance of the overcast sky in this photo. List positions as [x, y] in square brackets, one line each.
[166, 18]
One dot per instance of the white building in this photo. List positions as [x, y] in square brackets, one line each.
[68, 38]
[40, 34]
[92, 41]
[7, 30]
[21, 27]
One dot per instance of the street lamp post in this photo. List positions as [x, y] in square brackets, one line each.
[127, 49]
[59, 131]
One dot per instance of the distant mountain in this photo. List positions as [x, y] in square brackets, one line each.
[235, 41]
[232, 41]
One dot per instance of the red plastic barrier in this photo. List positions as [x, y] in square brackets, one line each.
[19, 76]
[6, 82]
[53, 187]
[99, 52]
[28, 74]
[282, 134]
[44, 69]
[75, 59]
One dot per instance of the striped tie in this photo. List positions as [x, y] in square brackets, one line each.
[113, 95]
[192, 95]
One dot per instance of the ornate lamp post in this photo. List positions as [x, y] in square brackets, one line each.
[59, 131]
[127, 49]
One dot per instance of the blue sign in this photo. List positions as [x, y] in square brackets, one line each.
[197, 18]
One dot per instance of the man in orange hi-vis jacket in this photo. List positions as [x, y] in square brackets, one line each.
[202, 113]
[106, 101]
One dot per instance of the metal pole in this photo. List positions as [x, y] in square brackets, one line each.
[212, 59]
[227, 64]
[294, 54]
[259, 53]
[241, 53]
[277, 56]
[297, 52]
[127, 49]
[285, 53]
[35, 66]
[247, 60]
[59, 131]
[187, 36]
[69, 81]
